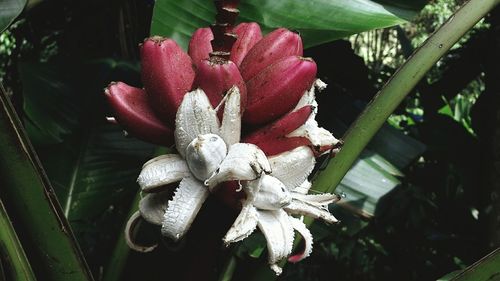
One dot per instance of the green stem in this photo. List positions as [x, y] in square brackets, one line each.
[396, 89]
[33, 207]
[121, 252]
[229, 269]
[12, 251]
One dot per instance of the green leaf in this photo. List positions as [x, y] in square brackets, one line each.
[31, 203]
[9, 10]
[11, 251]
[318, 21]
[91, 164]
[487, 268]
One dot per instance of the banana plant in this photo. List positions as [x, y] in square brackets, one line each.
[317, 21]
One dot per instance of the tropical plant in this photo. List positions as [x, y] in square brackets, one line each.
[68, 177]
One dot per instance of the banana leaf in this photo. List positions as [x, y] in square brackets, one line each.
[91, 164]
[30, 201]
[318, 21]
[9, 11]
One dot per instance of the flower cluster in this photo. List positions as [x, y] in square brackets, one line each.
[202, 104]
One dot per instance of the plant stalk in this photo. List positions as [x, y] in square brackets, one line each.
[224, 37]
[396, 89]
[12, 251]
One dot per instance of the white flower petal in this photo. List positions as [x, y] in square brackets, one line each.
[129, 233]
[306, 237]
[319, 200]
[297, 207]
[319, 137]
[230, 129]
[243, 226]
[303, 188]
[162, 170]
[195, 116]
[272, 194]
[153, 206]
[279, 233]
[309, 97]
[244, 161]
[183, 208]
[293, 167]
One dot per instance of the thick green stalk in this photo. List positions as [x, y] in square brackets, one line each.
[11, 250]
[487, 268]
[121, 252]
[37, 217]
[396, 89]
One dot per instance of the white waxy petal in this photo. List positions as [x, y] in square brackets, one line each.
[244, 161]
[307, 238]
[303, 188]
[309, 97]
[162, 170]
[293, 167]
[183, 208]
[153, 206]
[319, 200]
[129, 233]
[204, 155]
[297, 207]
[195, 116]
[243, 226]
[279, 233]
[272, 194]
[230, 129]
[318, 136]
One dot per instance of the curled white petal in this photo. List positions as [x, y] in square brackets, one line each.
[129, 233]
[303, 188]
[162, 170]
[243, 226]
[195, 116]
[183, 208]
[153, 206]
[318, 136]
[230, 129]
[244, 161]
[306, 237]
[279, 233]
[297, 207]
[272, 194]
[323, 199]
[293, 167]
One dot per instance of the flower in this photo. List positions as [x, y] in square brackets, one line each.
[273, 200]
[267, 85]
[209, 154]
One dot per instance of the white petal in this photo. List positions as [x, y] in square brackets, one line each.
[318, 136]
[183, 208]
[319, 200]
[244, 161]
[243, 226]
[272, 194]
[153, 206]
[309, 97]
[297, 207]
[276, 227]
[129, 232]
[293, 167]
[162, 170]
[195, 116]
[307, 238]
[303, 188]
[230, 129]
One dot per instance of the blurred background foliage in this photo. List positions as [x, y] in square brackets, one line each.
[441, 215]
